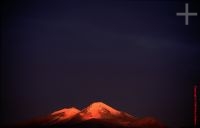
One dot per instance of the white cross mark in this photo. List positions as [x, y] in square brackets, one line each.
[186, 14]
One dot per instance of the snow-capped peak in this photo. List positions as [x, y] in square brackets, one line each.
[98, 110]
[98, 106]
[66, 113]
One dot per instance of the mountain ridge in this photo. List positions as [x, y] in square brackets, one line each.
[96, 115]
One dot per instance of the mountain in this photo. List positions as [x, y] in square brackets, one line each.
[98, 110]
[65, 114]
[96, 115]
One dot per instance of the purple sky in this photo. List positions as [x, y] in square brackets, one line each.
[138, 57]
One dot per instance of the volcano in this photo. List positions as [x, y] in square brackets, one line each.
[96, 115]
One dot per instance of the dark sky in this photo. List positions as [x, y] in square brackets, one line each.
[136, 56]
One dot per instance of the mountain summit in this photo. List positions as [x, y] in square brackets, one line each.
[96, 115]
[98, 110]
[65, 114]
